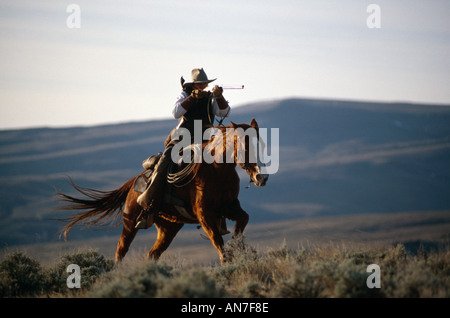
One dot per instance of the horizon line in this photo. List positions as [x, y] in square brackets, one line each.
[247, 104]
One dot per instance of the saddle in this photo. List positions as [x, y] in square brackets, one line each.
[143, 181]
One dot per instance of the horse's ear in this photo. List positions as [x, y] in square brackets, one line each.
[254, 124]
[233, 124]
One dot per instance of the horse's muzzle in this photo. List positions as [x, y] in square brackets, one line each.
[260, 179]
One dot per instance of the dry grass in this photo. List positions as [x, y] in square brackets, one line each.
[324, 270]
[333, 266]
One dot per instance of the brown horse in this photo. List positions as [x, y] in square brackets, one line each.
[211, 193]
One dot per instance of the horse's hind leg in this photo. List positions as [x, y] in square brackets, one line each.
[166, 232]
[130, 213]
[128, 233]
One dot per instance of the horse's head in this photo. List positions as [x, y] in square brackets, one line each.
[247, 146]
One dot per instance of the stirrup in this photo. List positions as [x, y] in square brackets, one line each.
[144, 222]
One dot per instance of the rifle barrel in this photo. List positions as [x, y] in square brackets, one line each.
[232, 86]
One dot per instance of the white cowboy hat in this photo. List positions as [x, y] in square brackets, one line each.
[198, 75]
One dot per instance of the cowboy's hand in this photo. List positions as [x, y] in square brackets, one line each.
[217, 91]
[199, 93]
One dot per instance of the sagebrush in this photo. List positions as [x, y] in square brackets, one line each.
[315, 271]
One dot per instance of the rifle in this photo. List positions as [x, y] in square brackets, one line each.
[231, 86]
[182, 81]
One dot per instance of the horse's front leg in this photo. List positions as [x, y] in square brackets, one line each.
[235, 213]
[208, 221]
[166, 233]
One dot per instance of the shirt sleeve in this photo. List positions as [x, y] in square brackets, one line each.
[178, 110]
[220, 112]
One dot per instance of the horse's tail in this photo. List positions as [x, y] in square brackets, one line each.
[103, 207]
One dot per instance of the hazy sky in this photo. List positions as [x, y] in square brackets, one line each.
[125, 60]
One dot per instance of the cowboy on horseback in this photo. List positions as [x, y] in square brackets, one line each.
[194, 103]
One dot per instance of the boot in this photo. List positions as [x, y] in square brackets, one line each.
[145, 197]
[148, 204]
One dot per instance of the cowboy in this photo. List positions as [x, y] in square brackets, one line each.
[194, 103]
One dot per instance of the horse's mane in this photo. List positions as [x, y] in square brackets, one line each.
[224, 139]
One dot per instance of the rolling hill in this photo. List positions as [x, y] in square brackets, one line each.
[336, 158]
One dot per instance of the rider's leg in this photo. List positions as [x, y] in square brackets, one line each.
[150, 199]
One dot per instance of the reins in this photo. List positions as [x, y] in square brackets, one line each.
[222, 119]
[178, 178]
